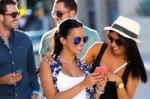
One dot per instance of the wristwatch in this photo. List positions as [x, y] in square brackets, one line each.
[120, 85]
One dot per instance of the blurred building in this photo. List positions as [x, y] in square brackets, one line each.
[94, 13]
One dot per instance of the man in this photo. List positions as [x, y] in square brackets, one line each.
[17, 65]
[63, 9]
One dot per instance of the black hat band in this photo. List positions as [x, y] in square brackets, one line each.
[122, 29]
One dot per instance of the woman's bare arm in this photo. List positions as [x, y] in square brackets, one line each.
[49, 89]
[92, 53]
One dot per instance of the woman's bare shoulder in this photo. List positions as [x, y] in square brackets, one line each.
[96, 46]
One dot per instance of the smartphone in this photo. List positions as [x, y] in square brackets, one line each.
[101, 70]
[19, 72]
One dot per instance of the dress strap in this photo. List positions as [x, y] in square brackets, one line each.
[99, 56]
[119, 68]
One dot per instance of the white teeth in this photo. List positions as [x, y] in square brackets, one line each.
[79, 48]
[115, 48]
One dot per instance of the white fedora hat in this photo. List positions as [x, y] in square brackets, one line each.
[126, 27]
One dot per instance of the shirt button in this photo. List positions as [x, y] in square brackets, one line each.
[12, 62]
[10, 52]
[16, 94]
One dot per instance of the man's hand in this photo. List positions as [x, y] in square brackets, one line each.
[34, 96]
[11, 78]
[48, 58]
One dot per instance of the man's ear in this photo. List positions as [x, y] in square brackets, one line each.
[1, 17]
[72, 14]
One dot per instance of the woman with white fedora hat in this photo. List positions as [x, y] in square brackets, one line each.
[121, 57]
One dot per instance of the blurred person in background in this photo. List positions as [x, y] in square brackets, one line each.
[120, 55]
[37, 20]
[63, 9]
[17, 65]
[69, 77]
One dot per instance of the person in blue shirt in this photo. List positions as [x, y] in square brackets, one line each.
[64, 9]
[17, 64]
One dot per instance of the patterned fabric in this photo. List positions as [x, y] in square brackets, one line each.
[56, 67]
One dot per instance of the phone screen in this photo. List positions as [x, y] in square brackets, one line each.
[18, 71]
[100, 70]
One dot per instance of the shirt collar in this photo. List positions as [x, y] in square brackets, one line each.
[11, 38]
[1, 40]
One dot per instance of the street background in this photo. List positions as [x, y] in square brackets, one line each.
[36, 20]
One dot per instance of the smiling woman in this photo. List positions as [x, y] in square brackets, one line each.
[69, 77]
[120, 55]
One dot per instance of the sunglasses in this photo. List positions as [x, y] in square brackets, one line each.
[58, 14]
[13, 15]
[77, 40]
[118, 42]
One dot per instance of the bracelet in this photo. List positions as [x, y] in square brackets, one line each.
[98, 91]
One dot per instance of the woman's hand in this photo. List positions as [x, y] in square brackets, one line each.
[102, 83]
[91, 80]
[113, 77]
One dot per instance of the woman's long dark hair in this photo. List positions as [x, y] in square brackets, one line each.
[63, 31]
[133, 56]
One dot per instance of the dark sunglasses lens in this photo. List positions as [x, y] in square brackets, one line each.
[59, 14]
[110, 38]
[77, 40]
[118, 42]
[14, 15]
[85, 39]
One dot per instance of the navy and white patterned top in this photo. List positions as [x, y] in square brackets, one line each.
[56, 67]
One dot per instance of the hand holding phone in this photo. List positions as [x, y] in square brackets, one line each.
[101, 70]
[19, 72]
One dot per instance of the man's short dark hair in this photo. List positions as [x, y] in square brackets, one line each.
[70, 4]
[3, 4]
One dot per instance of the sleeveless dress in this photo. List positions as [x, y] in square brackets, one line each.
[56, 73]
[110, 88]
